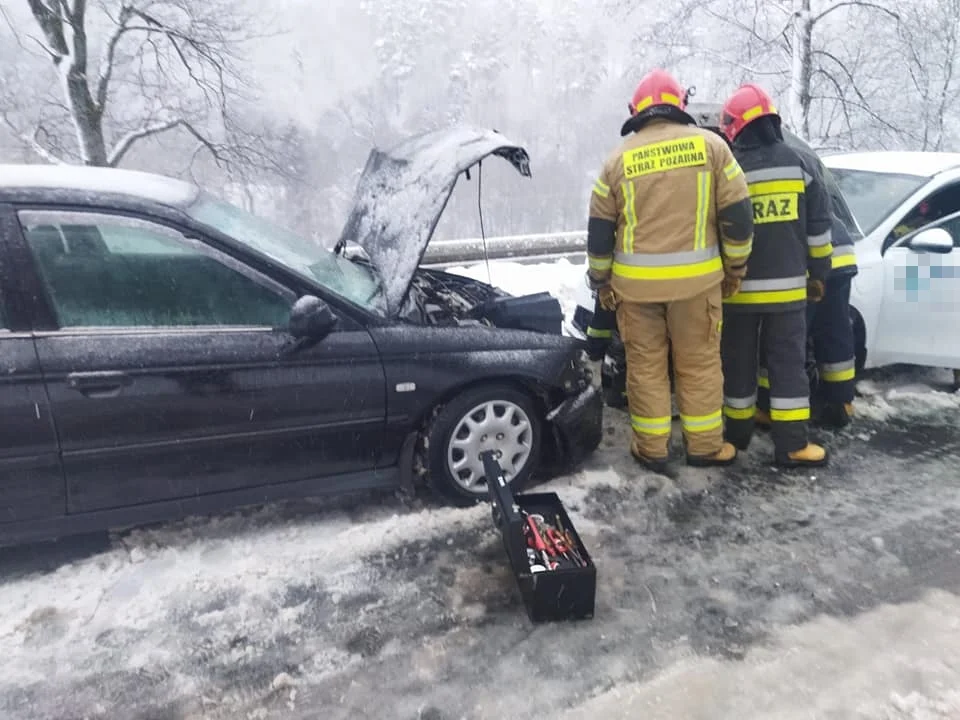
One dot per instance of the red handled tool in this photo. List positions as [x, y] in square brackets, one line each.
[539, 545]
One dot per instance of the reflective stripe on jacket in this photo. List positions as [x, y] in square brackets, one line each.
[844, 258]
[657, 229]
[792, 228]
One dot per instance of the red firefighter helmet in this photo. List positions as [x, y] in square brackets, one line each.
[658, 87]
[748, 103]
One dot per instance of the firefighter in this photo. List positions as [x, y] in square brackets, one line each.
[789, 264]
[830, 330]
[669, 234]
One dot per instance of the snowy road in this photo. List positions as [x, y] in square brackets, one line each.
[740, 593]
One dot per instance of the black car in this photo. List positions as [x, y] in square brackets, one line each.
[163, 352]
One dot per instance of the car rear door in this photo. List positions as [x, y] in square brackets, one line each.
[164, 362]
[31, 478]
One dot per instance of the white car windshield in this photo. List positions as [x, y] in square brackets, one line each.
[357, 283]
[872, 196]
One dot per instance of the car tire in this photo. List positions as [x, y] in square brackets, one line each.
[859, 340]
[453, 472]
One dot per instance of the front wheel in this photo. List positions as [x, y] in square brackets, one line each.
[494, 417]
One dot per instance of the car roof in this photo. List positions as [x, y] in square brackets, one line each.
[920, 164]
[98, 180]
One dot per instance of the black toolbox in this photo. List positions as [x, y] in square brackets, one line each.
[566, 588]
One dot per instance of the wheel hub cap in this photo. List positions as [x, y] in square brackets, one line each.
[497, 425]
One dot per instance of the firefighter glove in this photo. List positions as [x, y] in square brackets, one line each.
[608, 299]
[815, 290]
[730, 286]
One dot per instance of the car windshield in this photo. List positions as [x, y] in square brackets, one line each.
[872, 196]
[357, 283]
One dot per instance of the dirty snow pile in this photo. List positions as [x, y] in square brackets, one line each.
[906, 393]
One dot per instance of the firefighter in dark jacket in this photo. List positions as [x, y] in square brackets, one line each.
[833, 341]
[788, 264]
[669, 235]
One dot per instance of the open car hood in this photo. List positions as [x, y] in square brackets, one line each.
[402, 194]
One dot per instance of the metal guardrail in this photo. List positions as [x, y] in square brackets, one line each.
[446, 253]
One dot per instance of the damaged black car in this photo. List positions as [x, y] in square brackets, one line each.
[165, 353]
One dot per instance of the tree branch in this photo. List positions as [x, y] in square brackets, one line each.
[32, 142]
[734, 63]
[106, 69]
[51, 23]
[752, 31]
[856, 3]
[131, 138]
[13, 29]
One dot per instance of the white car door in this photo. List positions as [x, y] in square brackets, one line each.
[919, 319]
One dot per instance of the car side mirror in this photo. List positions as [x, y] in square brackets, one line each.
[936, 240]
[311, 320]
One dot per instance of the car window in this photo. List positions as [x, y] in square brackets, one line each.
[840, 207]
[349, 280]
[950, 223]
[932, 208]
[102, 270]
[952, 226]
[872, 196]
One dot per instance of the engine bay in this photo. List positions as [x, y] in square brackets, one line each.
[444, 299]
[441, 299]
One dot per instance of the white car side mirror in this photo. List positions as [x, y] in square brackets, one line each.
[935, 240]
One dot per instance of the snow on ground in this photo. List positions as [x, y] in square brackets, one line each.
[906, 392]
[895, 662]
[764, 595]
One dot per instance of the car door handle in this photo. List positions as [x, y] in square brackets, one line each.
[98, 384]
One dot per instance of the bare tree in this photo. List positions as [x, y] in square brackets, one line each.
[163, 67]
[804, 20]
[930, 33]
[786, 42]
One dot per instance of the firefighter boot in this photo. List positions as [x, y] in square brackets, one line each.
[810, 456]
[836, 415]
[724, 456]
[654, 465]
[761, 418]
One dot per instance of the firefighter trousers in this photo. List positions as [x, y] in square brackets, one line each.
[829, 326]
[692, 328]
[784, 339]
[833, 344]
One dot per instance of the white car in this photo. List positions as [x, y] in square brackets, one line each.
[905, 300]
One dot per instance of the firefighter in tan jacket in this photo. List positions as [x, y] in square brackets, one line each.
[669, 234]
